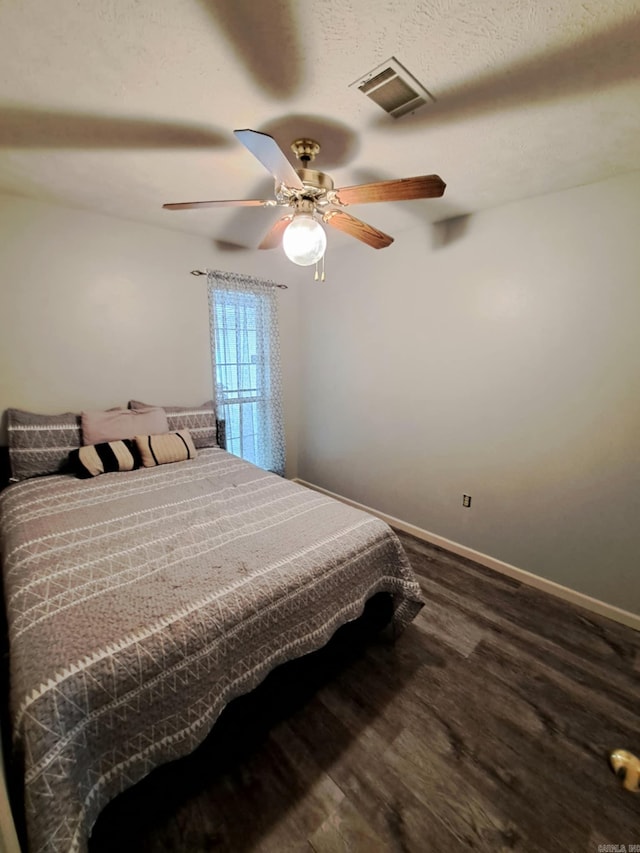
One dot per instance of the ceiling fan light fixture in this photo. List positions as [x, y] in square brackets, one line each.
[304, 240]
[311, 198]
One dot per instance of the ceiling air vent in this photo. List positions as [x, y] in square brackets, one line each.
[391, 87]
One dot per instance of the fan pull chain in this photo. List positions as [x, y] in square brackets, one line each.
[319, 277]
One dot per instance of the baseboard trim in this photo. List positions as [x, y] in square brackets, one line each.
[625, 617]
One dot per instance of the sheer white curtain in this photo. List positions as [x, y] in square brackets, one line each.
[245, 345]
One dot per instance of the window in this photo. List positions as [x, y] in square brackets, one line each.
[246, 360]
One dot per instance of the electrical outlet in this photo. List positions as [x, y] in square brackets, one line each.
[466, 500]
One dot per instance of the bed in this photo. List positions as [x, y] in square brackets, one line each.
[140, 604]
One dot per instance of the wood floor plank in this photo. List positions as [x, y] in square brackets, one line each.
[451, 569]
[573, 644]
[499, 745]
[471, 812]
[372, 787]
[346, 831]
[450, 626]
[589, 635]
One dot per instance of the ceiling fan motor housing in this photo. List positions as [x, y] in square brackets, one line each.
[313, 178]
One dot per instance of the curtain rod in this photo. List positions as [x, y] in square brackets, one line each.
[204, 272]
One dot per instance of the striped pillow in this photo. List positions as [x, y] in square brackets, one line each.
[104, 458]
[199, 420]
[166, 447]
[40, 444]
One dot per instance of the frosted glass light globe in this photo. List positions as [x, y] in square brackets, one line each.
[304, 240]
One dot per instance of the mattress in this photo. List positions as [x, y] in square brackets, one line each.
[139, 604]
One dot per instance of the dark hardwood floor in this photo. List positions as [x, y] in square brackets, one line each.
[486, 727]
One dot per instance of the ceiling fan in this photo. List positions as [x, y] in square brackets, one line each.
[311, 198]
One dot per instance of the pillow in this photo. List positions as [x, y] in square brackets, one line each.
[94, 459]
[40, 444]
[199, 420]
[168, 447]
[117, 424]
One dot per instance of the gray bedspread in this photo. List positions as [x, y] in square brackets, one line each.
[140, 604]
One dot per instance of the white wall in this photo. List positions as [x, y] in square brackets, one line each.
[95, 311]
[498, 356]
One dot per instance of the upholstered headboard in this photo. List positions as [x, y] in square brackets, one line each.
[5, 469]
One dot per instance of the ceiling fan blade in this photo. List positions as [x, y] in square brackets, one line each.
[357, 228]
[249, 202]
[404, 189]
[265, 149]
[272, 239]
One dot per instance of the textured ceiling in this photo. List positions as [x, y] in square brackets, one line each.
[121, 105]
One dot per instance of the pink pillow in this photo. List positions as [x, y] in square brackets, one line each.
[118, 424]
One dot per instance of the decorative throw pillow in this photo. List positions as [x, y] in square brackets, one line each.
[199, 420]
[108, 456]
[168, 447]
[40, 444]
[117, 424]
